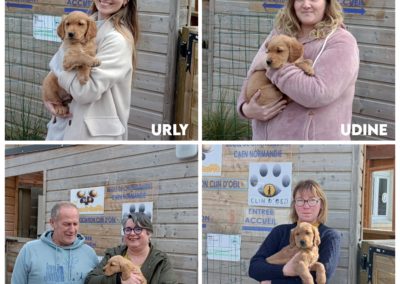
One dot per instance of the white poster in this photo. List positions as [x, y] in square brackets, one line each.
[212, 160]
[270, 184]
[88, 200]
[223, 247]
[45, 27]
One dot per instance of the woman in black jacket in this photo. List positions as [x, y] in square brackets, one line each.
[137, 247]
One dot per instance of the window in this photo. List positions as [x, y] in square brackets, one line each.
[382, 192]
[378, 204]
[28, 208]
[24, 205]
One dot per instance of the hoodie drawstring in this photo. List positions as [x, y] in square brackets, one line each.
[323, 47]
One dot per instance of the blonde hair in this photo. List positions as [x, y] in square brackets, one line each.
[286, 21]
[316, 190]
[126, 21]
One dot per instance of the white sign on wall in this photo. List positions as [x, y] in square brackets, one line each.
[223, 247]
[212, 160]
[270, 184]
[45, 27]
[88, 200]
[141, 207]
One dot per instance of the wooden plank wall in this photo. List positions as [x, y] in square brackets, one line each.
[12, 248]
[154, 80]
[236, 31]
[11, 206]
[375, 88]
[153, 88]
[174, 192]
[337, 168]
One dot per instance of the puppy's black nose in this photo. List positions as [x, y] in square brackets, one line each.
[302, 243]
[71, 35]
[269, 62]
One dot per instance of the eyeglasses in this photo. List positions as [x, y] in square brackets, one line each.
[311, 202]
[136, 230]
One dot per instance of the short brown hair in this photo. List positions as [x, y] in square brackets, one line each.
[315, 188]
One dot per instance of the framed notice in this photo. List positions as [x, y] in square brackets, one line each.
[142, 207]
[270, 184]
[88, 200]
[223, 247]
[212, 160]
[45, 27]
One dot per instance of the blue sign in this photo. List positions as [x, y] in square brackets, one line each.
[18, 5]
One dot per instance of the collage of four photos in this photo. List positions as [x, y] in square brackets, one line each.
[186, 141]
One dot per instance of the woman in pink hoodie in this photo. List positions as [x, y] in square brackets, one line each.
[321, 105]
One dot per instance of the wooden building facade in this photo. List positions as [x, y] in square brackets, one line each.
[42, 175]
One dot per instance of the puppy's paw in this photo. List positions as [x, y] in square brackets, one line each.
[83, 79]
[309, 71]
[96, 62]
[306, 66]
[61, 110]
[321, 278]
[67, 65]
[308, 62]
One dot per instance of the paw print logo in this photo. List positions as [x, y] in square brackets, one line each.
[270, 179]
[206, 149]
[141, 208]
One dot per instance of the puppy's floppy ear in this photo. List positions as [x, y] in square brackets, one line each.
[91, 30]
[317, 239]
[61, 29]
[296, 49]
[292, 241]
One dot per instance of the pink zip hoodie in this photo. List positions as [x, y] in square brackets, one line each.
[321, 103]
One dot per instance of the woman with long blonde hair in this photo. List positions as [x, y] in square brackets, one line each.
[320, 105]
[100, 108]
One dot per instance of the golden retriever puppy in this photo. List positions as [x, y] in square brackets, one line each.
[280, 50]
[118, 263]
[78, 32]
[304, 239]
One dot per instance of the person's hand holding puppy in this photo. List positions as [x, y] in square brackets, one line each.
[253, 110]
[134, 279]
[289, 268]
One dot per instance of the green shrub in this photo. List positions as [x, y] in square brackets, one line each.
[223, 123]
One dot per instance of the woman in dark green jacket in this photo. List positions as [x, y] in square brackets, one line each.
[137, 247]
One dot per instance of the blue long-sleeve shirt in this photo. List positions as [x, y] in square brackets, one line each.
[260, 270]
